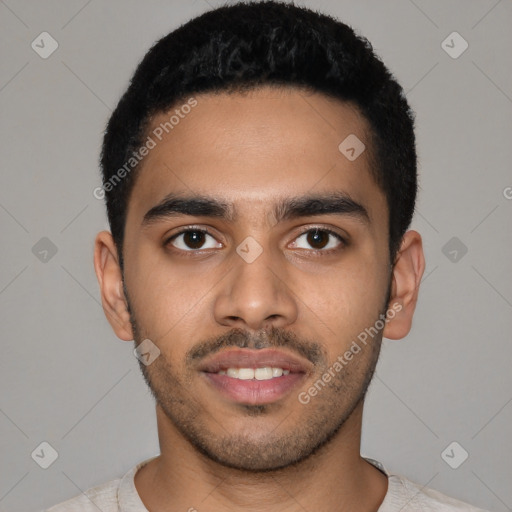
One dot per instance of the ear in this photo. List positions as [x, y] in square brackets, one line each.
[108, 272]
[406, 279]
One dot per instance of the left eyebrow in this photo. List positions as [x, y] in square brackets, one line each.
[338, 203]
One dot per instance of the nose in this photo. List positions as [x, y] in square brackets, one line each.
[255, 295]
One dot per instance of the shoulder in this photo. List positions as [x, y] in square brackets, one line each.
[112, 496]
[412, 497]
[102, 497]
[404, 495]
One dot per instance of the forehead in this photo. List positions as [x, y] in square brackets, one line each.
[249, 149]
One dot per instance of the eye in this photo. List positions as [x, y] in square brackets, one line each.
[193, 239]
[319, 239]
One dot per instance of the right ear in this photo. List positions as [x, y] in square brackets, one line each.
[110, 279]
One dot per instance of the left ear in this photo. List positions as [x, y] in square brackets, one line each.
[406, 279]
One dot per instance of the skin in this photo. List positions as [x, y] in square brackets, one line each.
[251, 151]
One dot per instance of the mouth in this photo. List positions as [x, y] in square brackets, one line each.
[254, 377]
[262, 373]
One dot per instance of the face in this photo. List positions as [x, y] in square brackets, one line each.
[253, 242]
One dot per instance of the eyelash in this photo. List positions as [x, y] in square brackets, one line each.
[318, 252]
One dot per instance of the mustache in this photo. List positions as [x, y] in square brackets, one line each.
[266, 338]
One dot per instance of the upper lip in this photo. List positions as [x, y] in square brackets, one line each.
[248, 358]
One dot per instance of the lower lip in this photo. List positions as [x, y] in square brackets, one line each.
[254, 392]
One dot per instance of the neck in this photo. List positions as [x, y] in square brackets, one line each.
[335, 477]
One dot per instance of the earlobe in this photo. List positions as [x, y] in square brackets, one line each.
[110, 279]
[407, 273]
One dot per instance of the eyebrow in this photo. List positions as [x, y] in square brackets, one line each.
[338, 203]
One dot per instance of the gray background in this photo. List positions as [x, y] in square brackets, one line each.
[67, 380]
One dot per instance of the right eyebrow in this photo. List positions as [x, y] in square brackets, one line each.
[198, 206]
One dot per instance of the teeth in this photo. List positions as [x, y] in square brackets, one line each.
[245, 373]
[264, 373]
[277, 372]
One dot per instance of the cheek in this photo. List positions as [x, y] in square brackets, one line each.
[342, 303]
[164, 297]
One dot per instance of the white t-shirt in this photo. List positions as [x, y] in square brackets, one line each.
[403, 495]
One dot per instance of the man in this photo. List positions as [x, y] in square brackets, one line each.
[260, 177]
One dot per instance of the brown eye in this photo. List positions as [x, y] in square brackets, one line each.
[193, 239]
[319, 240]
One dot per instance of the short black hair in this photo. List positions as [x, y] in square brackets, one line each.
[242, 46]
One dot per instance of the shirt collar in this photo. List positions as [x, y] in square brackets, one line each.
[129, 500]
